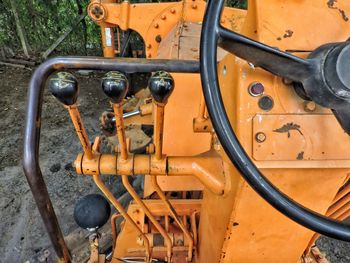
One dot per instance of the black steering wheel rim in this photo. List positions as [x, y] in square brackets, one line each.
[234, 150]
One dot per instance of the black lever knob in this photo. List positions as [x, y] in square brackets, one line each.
[64, 86]
[161, 85]
[115, 85]
[92, 212]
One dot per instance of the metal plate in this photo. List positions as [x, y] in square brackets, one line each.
[299, 138]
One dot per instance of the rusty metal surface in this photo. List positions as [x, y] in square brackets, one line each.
[161, 19]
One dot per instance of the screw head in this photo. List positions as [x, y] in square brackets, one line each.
[260, 137]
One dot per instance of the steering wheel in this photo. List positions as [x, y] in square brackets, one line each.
[325, 79]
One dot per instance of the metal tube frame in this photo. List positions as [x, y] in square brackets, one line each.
[33, 124]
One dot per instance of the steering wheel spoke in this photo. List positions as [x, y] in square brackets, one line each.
[269, 58]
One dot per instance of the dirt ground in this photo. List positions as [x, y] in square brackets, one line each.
[21, 230]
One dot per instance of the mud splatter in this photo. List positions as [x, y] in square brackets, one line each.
[300, 156]
[287, 128]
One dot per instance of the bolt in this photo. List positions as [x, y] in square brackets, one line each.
[158, 38]
[256, 89]
[309, 106]
[260, 137]
[287, 81]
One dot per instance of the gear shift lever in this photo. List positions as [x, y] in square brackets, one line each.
[64, 87]
[161, 85]
[115, 85]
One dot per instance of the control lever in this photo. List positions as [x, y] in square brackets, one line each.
[161, 85]
[115, 85]
[64, 87]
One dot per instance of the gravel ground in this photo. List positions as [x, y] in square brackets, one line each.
[21, 229]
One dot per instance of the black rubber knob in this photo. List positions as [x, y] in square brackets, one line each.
[64, 86]
[161, 85]
[92, 212]
[115, 85]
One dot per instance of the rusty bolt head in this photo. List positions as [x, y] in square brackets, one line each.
[287, 81]
[256, 89]
[260, 137]
[158, 38]
[96, 12]
[309, 106]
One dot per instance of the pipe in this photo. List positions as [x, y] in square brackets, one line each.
[121, 210]
[158, 130]
[207, 169]
[80, 130]
[154, 221]
[194, 227]
[114, 218]
[174, 215]
[131, 114]
[118, 111]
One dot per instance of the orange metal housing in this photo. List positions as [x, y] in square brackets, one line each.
[303, 151]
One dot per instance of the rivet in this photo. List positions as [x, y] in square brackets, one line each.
[149, 46]
[163, 17]
[172, 10]
[260, 137]
[194, 6]
[223, 21]
[156, 25]
[256, 89]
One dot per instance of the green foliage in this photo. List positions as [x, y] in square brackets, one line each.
[44, 21]
[238, 3]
